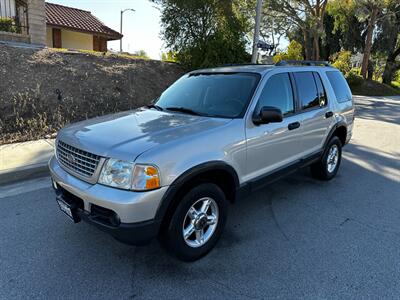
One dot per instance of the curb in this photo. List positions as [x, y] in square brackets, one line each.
[23, 173]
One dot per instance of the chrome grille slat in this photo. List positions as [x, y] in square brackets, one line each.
[86, 168]
[77, 153]
[79, 161]
[73, 168]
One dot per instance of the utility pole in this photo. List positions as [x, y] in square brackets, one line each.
[122, 15]
[256, 32]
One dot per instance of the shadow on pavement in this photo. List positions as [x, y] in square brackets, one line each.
[388, 111]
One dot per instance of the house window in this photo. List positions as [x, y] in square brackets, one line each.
[14, 16]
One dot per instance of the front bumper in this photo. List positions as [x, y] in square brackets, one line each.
[135, 212]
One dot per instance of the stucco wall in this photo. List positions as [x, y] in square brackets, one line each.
[37, 21]
[49, 37]
[76, 40]
[71, 39]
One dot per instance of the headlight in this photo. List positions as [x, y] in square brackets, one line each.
[117, 173]
[126, 175]
[145, 177]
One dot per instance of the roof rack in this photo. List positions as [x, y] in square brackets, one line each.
[241, 64]
[303, 63]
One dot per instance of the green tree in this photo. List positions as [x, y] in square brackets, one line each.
[142, 53]
[347, 32]
[204, 33]
[308, 17]
[368, 10]
[388, 39]
[274, 26]
[331, 42]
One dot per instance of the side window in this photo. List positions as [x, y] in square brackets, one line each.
[278, 93]
[321, 90]
[339, 85]
[307, 89]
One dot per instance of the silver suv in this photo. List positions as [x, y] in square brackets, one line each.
[171, 169]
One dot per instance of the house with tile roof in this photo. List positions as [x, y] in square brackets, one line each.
[73, 28]
[53, 25]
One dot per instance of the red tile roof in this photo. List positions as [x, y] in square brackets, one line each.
[79, 20]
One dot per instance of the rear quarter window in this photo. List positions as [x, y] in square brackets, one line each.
[339, 85]
[310, 91]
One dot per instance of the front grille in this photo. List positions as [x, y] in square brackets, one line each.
[81, 162]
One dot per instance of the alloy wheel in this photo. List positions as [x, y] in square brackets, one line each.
[200, 222]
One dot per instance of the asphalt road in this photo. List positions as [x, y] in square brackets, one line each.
[298, 238]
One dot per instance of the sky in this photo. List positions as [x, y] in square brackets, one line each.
[141, 29]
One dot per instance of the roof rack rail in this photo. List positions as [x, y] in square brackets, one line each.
[235, 64]
[242, 64]
[303, 63]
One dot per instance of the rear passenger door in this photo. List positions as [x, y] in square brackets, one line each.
[314, 108]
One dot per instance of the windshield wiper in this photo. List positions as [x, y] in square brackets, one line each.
[155, 106]
[184, 110]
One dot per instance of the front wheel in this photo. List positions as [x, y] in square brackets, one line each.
[197, 223]
[327, 167]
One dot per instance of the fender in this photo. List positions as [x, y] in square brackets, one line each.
[169, 197]
[332, 131]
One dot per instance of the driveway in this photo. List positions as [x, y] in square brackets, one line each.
[297, 238]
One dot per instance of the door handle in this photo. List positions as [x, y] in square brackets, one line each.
[328, 114]
[294, 125]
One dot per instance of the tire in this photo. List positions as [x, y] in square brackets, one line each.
[193, 247]
[325, 168]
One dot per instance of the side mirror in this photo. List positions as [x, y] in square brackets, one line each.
[267, 114]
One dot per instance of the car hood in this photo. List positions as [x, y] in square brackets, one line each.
[126, 135]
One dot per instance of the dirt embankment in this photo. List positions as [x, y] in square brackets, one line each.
[43, 90]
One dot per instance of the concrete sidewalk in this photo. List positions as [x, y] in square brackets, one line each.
[26, 160]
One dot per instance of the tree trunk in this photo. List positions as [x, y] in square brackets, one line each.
[368, 42]
[390, 67]
[307, 48]
[370, 70]
[316, 47]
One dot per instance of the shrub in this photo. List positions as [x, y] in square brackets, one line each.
[341, 61]
[142, 54]
[293, 52]
[396, 81]
[353, 77]
[170, 56]
[397, 76]
[7, 24]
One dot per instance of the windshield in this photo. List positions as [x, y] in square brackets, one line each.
[211, 94]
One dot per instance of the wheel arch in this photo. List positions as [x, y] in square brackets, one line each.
[339, 130]
[217, 172]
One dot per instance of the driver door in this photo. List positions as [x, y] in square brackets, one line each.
[274, 145]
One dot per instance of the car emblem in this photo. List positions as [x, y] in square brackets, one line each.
[71, 158]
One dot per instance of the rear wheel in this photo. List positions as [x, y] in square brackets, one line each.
[197, 223]
[327, 167]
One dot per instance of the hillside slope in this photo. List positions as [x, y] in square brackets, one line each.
[42, 90]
